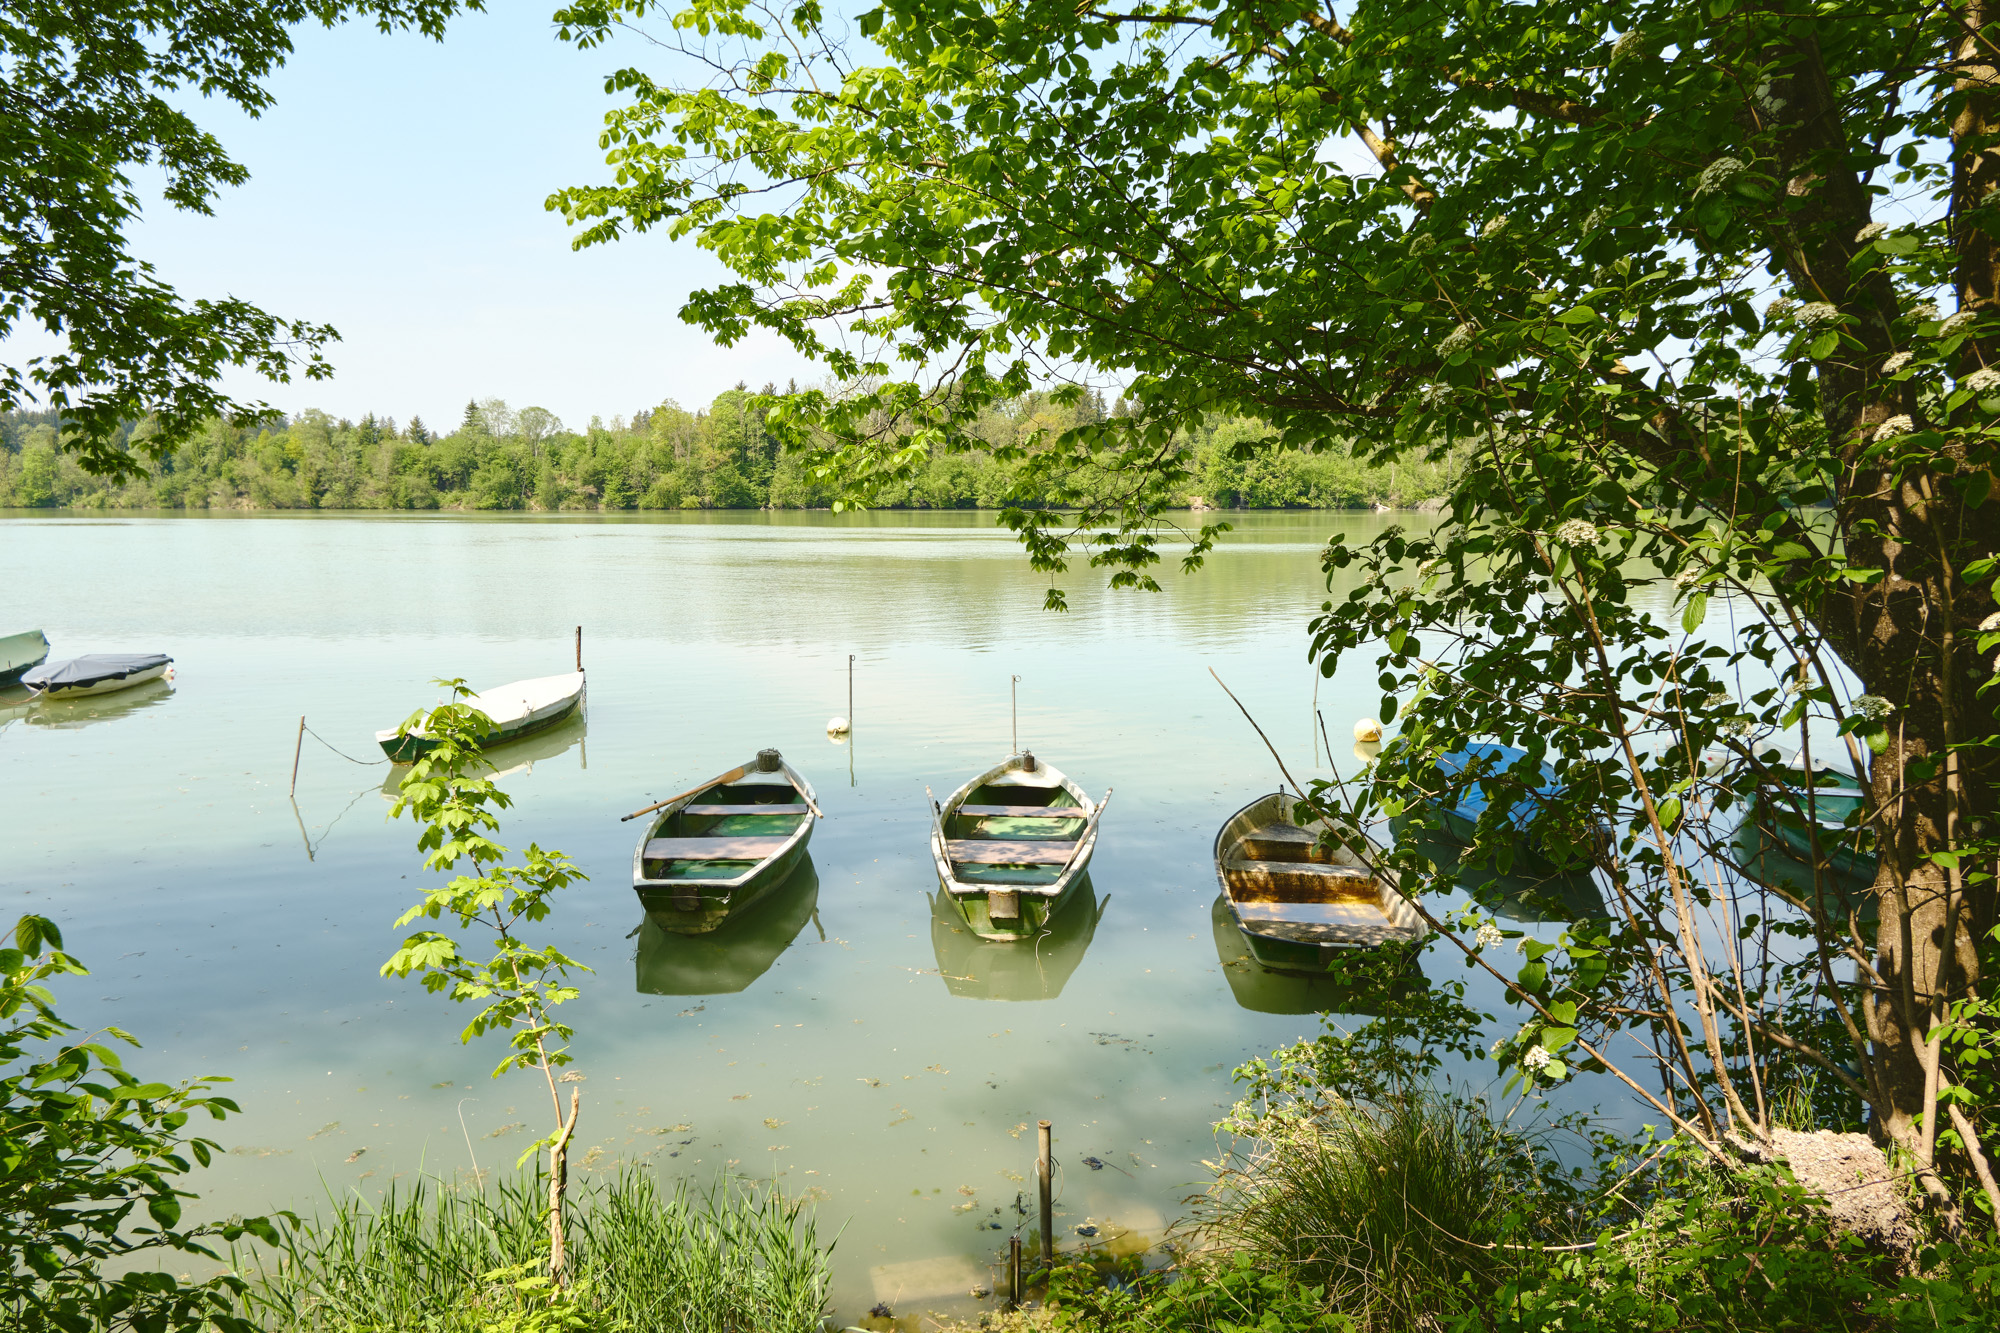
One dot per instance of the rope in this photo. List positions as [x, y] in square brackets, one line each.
[365, 763]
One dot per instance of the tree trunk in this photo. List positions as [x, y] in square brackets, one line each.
[558, 1185]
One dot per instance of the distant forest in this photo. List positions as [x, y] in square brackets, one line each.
[665, 457]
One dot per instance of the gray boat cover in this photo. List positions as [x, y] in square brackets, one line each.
[92, 669]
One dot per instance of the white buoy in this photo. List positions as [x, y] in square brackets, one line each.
[837, 726]
[1369, 730]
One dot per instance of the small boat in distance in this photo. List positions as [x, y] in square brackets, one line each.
[1298, 903]
[520, 709]
[711, 852]
[1011, 843]
[96, 673]
[1818, 819]
[18, 652]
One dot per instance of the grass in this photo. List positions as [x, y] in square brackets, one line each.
[434, 1260]
[1402, 1213]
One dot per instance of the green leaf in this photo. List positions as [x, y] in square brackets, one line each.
[1693, 613]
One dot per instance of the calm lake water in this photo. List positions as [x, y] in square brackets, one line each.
[844, 1041]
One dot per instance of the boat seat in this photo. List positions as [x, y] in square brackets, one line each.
[1009, 852]
[1283, 842]
[1298, 882]
[1023, 811]
[1353, 912]
[772, 809]
[712, 849]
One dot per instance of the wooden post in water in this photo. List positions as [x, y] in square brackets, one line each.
[297, 746]
[579, 647]
[1045, 1171]
[1014, 1272]
[850, 719]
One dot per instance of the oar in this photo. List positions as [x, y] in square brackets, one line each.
[716, 781]
[809, 801]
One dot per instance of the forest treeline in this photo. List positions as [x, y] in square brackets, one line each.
[665, 457]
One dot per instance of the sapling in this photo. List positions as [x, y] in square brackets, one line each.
[518, 988]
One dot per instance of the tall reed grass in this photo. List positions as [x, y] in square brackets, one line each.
[726, 1260]
[1404, 1213]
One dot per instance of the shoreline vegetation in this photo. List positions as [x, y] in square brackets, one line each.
[500, 459]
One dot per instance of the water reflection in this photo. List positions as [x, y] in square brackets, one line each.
[518, 756]
[731, 957]
[1519, 896]
[1260, 990]
[70, 714]
[1030, 969]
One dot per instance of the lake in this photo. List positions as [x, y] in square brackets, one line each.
[845, 1042]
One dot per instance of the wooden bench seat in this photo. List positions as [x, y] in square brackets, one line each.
[712, 849]
[1023, 811]
[1298, 881]
[1009, 851]
[772, 809]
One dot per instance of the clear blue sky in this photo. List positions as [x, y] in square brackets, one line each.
[396, 192]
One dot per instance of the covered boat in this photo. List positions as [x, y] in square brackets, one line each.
[18, 652]
[98, 673]
[1011, 844]
[520, 709]
[1464, 802]
[713, 851]
[1298, 902]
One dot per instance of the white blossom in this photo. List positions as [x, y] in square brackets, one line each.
[1870, 232]
[1489, 936]
[1495, 227]
[1897, 362]
[1924, 311]
[1739, 725]
[1498, 1042]
[1872, 706]
[1458, 340]
[1714, 699]
[1576, 532]
[1771, 105]
[1813, 314]
[1597, 218]
[1780, 307]
[1423, 243]
[1716, 175]
[1434, 396]
[1983, 380]
[1900, 424]
[1687, 576]
[1536, 1058]
[1962, 319]
[1627, 44]
[1991, 622]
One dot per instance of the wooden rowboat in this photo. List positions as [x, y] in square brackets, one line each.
[713, 851]
[1011, 844]
[518, 709]
[1818, 819]
[96, 673]
[1299, 903]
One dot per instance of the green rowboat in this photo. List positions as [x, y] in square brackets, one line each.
[711, 852]
[1011, 844]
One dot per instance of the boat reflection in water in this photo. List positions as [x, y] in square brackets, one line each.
[1521, 895]
[731, 957]
[68, 714]
[1392, 974]
[515, 756]
[1031, 969]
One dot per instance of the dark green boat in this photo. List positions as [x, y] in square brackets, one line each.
[1816, 821]
[1011, 844]
[713, 851]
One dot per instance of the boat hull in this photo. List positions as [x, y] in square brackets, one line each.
[21, 653]
[408, 747]
[111, 686]
[689, 907]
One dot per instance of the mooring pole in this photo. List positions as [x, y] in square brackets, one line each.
[1045, 1171]
[850, 690]
[1014, 700]
[1013, 1272]
[579, 647]
[297, 746]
